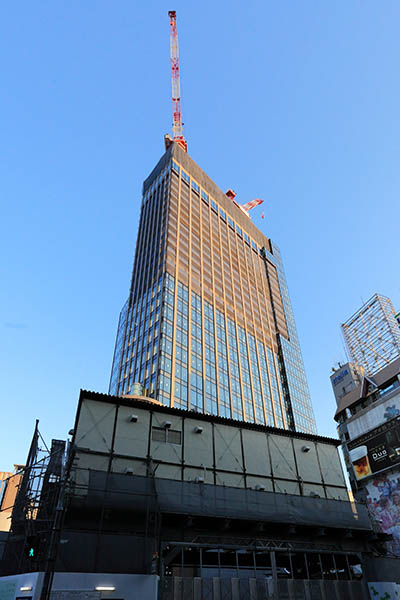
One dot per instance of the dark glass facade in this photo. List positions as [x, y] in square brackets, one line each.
[208, 324]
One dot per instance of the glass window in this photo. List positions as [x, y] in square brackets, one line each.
[204, 196]
[185, 176]
[214, 205]
[175, 167]
[158, 434]
[254, 245]
[195, 187]
[231, 223]
[165, 383]
[171, 436]
[246, 237]
[222, 214]
[174, 436]
[238, 230]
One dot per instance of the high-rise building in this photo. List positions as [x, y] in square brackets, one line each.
[368, 417]
[208, 325]
[367, 393]
[372, 334]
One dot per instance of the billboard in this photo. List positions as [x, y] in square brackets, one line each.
[374, 417]
[376, 450]
[383, 501]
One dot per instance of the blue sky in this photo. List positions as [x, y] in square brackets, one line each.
[294, 102]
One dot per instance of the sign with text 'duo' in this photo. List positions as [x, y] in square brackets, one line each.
[377, 450]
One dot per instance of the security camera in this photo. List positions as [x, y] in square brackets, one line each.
[167, 424]
[128, 471]
[305, 448]
[260, 488]
[199, 480]
[198, 430]
[133, 418]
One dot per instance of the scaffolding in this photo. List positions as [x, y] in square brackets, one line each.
[58, 498]
[29, 541]
[91, 520]
[372, 335]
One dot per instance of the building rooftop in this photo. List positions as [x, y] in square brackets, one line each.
[361, 391]
[372, 334]
[183, 158]
[149, 403]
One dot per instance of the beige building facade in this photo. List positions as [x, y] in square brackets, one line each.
[208, 325]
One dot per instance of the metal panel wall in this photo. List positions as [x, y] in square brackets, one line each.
[307, 461]
[132, 438]
[198, 446]
[256, 454]
[95, 426]
[228, 448]
[331, 467]
[166, 452]
[216, 588]
[282, 456]
[337, 493]
[218, 453]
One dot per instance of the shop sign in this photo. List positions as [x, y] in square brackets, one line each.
[377, 450]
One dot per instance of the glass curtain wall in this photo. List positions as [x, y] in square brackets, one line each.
[197, 331]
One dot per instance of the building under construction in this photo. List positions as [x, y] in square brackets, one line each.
[208, 323]
[205, 505]
[213, 485]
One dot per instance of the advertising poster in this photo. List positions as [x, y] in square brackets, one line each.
[377, 450]
[383, 500]
[374, 417]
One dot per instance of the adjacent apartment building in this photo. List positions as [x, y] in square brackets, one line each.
[208, 325]
[372, 334]
[9, 483]
[368, 413]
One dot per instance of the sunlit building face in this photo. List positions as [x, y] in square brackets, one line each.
[208, 324]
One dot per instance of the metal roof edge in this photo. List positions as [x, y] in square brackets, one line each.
[141, 402]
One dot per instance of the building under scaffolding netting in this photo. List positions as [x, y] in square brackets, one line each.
[33, 515]
[372, 334]
[208, 506]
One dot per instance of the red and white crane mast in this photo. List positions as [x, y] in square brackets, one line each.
[177, 125]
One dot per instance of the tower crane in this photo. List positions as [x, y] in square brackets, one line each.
[177, 125]
[244, 207]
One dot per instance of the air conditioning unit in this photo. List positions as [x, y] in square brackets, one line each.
[314, 495]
